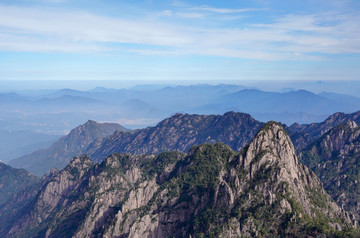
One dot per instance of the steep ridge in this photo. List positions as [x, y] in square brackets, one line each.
[180, 132]
[14, 180]
[17, 188]
[60, 153]
[335, 158]
[303, 135]
[210, 192]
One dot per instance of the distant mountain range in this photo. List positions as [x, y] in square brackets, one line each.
[142, 106]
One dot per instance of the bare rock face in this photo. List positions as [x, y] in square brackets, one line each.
[210, 192]
[56, 192]
[272, 148]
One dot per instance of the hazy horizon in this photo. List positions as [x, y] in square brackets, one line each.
[349, 87]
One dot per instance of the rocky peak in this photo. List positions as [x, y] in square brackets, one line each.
[81, 164]
[272, 149]
[271, 145]
[59, 154]
[90, 122]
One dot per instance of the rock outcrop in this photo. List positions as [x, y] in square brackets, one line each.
[335, 158]
[210, 192]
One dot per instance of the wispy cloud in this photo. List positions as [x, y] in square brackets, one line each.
[226, 10]
[84, 27]
[167, 13]
[190, 14]
[285, 38]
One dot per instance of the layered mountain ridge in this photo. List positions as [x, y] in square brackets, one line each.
[335, 158]
[180, 132]
[303, 135]
[59, 154]
[212, 191]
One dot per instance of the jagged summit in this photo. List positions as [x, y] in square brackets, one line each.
[272, 145]
[90, 122]
[180, 132]
[304, 135]
[82, 162]
[272, 149]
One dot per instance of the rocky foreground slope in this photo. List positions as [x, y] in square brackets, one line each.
[210, 192]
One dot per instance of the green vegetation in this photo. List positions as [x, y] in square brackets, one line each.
[155, 166]
[13, 181]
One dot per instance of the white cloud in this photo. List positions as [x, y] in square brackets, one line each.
[226, 10]
[167, 13]
[286, 38]
[190, 14]
[82, 26]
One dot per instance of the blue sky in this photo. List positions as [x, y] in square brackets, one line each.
[179, 40]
